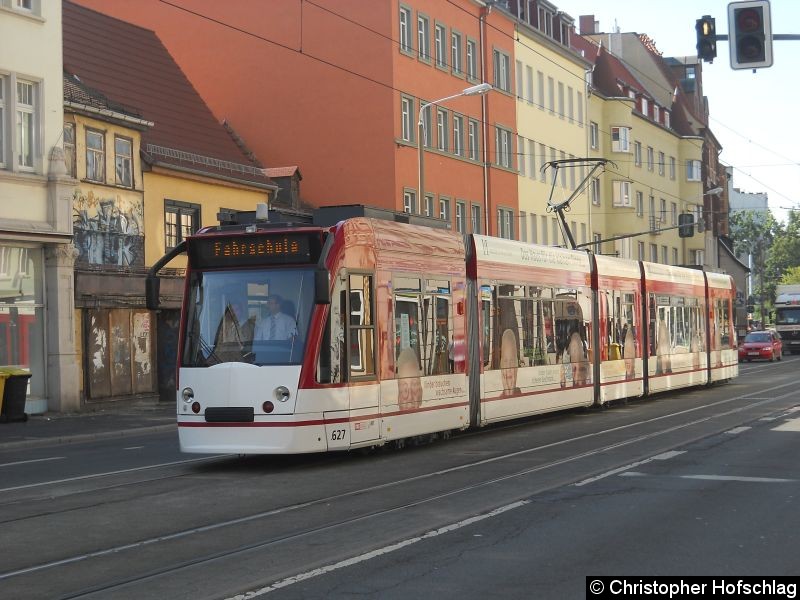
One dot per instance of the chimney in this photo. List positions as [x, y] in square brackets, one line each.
[588, 24]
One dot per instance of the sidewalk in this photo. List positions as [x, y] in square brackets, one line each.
[124, 421]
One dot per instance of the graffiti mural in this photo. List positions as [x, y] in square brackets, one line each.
[108, 230]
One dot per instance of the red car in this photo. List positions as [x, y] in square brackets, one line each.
[761, 344]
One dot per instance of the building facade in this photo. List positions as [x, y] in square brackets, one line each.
[37, 330]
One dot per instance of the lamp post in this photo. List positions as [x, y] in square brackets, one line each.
[474, 90]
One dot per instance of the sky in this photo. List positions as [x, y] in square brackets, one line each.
[753, 115]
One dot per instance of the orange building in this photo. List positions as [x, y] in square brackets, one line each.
[335, 87]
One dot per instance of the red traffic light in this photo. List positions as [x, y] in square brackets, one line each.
[748, 20]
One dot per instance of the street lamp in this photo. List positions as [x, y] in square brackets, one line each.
[473, 90]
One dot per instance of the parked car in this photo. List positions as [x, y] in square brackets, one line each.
[761, 344]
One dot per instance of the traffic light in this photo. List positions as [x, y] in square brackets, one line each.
[750, 34]
[706, 38]
[685, 225]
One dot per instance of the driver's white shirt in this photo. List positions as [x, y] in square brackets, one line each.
[279, 326]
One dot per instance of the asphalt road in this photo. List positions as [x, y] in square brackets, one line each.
[699, 482]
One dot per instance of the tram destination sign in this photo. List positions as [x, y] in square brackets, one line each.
[250, 249]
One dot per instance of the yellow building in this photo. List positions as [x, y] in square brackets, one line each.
[551, 94]
[153, 166]
[656, 154]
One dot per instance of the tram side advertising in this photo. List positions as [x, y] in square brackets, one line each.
[312, 339]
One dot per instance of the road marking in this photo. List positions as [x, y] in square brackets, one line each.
[133, 448]
[713, 477]
[663, 456]
[106, 474]
[732, 478]
[376, 553]
[27, 462]
[790, 425]
[737, 430]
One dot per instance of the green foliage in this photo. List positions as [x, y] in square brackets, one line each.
[791, 275]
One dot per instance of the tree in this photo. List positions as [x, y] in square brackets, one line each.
[754, 232]
[784, 253]
[791, 275]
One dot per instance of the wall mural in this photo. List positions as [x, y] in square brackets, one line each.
[108, 230]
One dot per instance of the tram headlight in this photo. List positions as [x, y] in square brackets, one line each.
[188, 394]
[282, 393]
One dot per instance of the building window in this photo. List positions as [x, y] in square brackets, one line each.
[598, 243]
[461, 217]
[556, 231]
[521, 156]
[181, 219]
[540, 82]
[69, 147]
[26, 124]
[551, 95]
[505, 224]
[544, 230]
[532, 158]
[442, 129]
[523, 227]
[426, 125]
[123, 161]
[95, 156]
[580, 109]
[423, 38]
[405, 29]
[674, 213]
[455, 52]
[502, 142]
[560, 100]
[656, 114]
[472, 59]
[661, 161]
[641, 250]
[594, 135]
[444, 209]
[622, 193]
[529, 84]
[674, 256]
[542, 160]
[570, 105]
[653, 253]
[620, 139]
[664, 255]
[650, 158]
[697, 257]
[519, 80]
[474, 149]
[475, 218]
[439, 41]
[672, 167]
[428, 205]
[502, 65]
[639, 204]
[3, 113]
[637, 154]
[594, 191]
[534, 228]
[406, 119]
[693, 170]
[666, 118]
[458, 135]
[409, 202]
[644, 106]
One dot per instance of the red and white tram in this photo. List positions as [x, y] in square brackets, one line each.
[309, 339]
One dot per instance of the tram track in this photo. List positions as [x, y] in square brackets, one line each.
[719, 409]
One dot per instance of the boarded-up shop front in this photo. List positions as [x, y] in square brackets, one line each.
[119, 353]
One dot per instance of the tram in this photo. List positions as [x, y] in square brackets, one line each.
[297, 339]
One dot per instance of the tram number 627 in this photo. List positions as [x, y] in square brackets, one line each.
[338, 434]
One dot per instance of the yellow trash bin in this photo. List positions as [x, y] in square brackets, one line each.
[14, 393]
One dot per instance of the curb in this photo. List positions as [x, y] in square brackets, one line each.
[85, 437]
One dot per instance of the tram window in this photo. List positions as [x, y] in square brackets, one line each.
[361, 326]
[486, 321]
[332, 351]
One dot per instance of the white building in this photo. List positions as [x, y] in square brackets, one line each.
[37, 329]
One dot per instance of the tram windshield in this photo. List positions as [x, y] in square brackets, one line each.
[256, 316]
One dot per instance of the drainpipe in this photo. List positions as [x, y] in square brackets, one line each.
[481, 26]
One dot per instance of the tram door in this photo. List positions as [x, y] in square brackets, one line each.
[352, 417]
